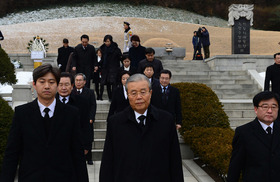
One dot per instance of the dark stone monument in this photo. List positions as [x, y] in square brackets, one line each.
[241, 19]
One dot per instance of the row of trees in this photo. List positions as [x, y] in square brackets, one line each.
[267, 14]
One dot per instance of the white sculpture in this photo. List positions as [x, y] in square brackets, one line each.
[240, 10]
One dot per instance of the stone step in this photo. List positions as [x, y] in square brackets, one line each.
[98, 144]
[101, 115]
[235, 122]
[240, 113]
[99, 133]
[235, 96]
[97, 154]
[234, 87]
[233, 91]
[230, 77]
[100, 124]
[238, 106]
[103, 105]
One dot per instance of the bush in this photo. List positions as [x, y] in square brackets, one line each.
[200, 107]
[6, 115]
[7, 69]
[212, 145]
[205, 125]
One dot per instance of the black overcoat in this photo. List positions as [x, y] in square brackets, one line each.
[173, 104]
[132, 154]
[253, 156]
[57, 158]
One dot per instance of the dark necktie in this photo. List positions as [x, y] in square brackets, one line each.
[164, 95]
[63, 100]
[142, 118]
[268, 129]
[79, 92]
[47, 120]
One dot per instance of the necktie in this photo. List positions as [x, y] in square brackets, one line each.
[79, 92]
[164, 95]
[268, 129]
[142, 118]
[63, 100]
[47, 120]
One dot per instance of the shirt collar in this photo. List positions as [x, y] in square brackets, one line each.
[138, 114]
[264, 126]
[126, 69]
[81, 90]
[51, 107]
[125, 93]
[67, 99]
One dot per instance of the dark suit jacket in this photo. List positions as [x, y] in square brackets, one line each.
[119, 103]
[83, 106]
[136, 54]
[156, 64]
[63, 56]
[272, 74]
[173, 104]
[58, 158]
[132, 154]
[253, 156]
[89, 95]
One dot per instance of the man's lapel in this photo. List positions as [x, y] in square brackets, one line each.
[260, 133]
[276, 135]
[37, 119]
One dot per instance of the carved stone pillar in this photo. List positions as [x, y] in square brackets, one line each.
[240, 18]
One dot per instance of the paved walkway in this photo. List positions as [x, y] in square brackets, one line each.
[192, 172]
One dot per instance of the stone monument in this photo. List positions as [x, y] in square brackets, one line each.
[240, 18]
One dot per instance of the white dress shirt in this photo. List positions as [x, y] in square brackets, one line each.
[137, 115]
[264, 126]
[51, 107]
[67, 99]
[124, 92]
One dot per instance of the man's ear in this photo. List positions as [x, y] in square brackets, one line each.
[34, 85]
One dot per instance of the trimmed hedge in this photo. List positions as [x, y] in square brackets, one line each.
[200, 107]
[7, 69]
[205, 125]
[212, 145]
[6, 116]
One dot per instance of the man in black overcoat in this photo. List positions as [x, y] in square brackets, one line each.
[45, 137]
[141, 142]
[167, 97]
[65, 95]
[63, 55]
[256, 145]
[88, 94]
[272, 75]
[150, 58]
[84, 59]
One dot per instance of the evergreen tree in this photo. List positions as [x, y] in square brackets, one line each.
[7, 70]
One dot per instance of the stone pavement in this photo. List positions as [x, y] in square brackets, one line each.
[192, 172]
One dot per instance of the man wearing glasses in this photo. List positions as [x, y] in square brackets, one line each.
[255, 146]
[141, 141]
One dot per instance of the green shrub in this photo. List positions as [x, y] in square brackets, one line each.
[212, 145]
[7, 70]
[6, 116]
[200, 107]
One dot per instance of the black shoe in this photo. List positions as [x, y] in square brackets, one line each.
[90, 162]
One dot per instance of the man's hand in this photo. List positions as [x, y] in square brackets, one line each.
[74, 68]
[95, 68]
[178, 126]
[90, 121]
[85, 152]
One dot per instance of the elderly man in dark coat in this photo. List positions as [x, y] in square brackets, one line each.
[84, 59]
[141, 142]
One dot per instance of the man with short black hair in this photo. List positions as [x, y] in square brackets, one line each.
[84, 59]
[45, 137]
[167, 97]
[256, 145]
[150, 58]
[141, 141]
[63, 55]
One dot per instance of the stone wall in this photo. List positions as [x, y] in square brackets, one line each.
[240, 62]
